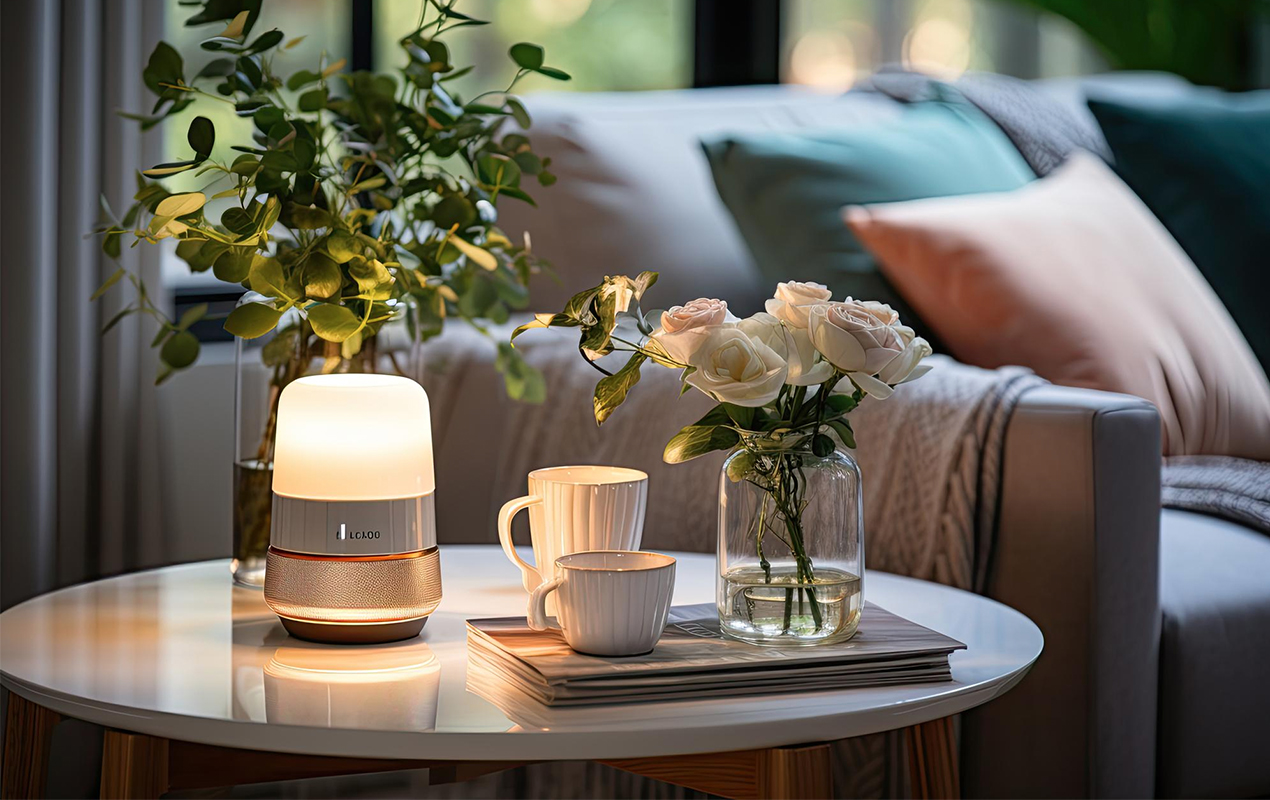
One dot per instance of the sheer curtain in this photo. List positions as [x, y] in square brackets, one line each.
[82, 487]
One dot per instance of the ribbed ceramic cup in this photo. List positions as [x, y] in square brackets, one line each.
[610, 602]
[573, 510]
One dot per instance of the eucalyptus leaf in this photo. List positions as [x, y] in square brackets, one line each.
[321, 276]
[180, 350]
[552, 72]
[477, 255]
[170, 168]
[109, 282]
[312, 100]
[252, 320]
[518, 112]
[343, 246]
[302, 78]
[267, 278]
[331, 322]
[234, 264]
[180, 205]
[526, 55]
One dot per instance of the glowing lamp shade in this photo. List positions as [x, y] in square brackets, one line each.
[353, 437]
[352, 544]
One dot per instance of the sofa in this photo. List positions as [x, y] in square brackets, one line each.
[1151, 682]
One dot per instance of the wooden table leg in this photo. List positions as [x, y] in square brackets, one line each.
[932, 759]
[133, 766]
[28, 736]
[779, 773]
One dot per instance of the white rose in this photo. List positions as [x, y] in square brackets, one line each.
[684, 328]
[792, 344]
[795, 299]
[733, 367]
[876, 355]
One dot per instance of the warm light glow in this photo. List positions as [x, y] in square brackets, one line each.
[938, 46]
[353, 437]
[825, 60]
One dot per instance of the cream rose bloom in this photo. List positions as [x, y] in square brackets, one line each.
[684, 328]
[875, 354]
[794, 300]
[792, 344]
[733, 367]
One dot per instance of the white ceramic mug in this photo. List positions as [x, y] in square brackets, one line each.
[611, 602]
[573, 509]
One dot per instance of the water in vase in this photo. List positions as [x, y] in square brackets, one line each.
[754, 605]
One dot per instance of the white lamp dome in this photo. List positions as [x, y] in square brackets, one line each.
[353, 437]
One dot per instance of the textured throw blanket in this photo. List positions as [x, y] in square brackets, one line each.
[1232, 488]
[930, 458]
[1044, 132]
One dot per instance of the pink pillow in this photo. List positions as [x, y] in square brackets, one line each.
[1073, 277]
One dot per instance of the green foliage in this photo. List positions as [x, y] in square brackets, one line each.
[1205, 42]
[697, 440]
[611, 391]
[373, 198]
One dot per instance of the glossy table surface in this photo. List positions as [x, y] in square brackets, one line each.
[181, 653]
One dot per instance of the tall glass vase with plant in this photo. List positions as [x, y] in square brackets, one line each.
[791, 534]
[361, 202]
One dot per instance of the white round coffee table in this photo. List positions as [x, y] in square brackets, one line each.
[198, 685]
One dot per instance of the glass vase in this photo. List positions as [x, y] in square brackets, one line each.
[791, 546]
[263, 368]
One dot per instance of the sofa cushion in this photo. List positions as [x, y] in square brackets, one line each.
[1072, 276]
[634, 191]
[786, 190]
[1202, 165]
[1214, 658]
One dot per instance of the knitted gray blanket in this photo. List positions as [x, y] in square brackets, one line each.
[1044, 132]
[1232, 488]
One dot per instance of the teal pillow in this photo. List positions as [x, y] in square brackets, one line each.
[1201, 163]
[786, 191]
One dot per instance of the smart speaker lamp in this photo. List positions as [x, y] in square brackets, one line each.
[353, 547]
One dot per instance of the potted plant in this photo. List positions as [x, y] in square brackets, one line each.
[361, 201]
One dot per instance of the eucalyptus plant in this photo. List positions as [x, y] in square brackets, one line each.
[360, 197]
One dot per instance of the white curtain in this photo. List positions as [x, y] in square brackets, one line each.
[82, 491]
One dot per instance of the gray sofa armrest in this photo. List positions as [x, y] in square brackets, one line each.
[1078, 552]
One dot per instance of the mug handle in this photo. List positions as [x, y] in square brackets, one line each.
[509, 510]
[536, 613]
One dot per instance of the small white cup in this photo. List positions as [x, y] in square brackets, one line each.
[610, 602]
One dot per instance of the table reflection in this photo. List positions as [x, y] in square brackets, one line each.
[372, 688]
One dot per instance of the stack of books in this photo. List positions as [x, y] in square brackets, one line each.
[693, 660]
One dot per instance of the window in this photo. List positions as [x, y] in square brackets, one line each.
[832, 45]
[606, 45]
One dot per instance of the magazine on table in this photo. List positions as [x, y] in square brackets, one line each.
[693, 659]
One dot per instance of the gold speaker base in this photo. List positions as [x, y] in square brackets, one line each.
[353, 633]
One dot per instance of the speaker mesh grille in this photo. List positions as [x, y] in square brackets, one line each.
[334, 590]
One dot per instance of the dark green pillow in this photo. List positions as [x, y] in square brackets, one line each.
[786, 191]
[1201, 163]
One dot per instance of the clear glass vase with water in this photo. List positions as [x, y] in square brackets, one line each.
[791, 546]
